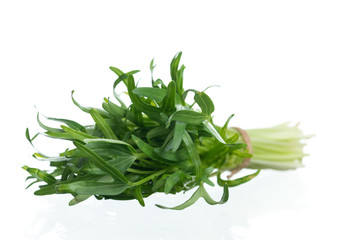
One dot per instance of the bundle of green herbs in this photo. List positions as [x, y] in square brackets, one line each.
[160, 143]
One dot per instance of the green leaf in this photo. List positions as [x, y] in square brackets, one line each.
[159, 82]
[115, 111]
[152, 67]
[157, 132]
[180, 155]
[156, 94]
[196, 195]
[167, 144]
[185, 93]
[117, 71]
[206, 174]
[175, 76]
[32, 183]
[138, 195]
[91, 140]
[178, 134]
[148, 150]
[46, 190]
[51, 159]
[168, 102]
[204, 102]
[122, 163]
[74, 134]
[225, 127]
[215, 153]
[159, 182]
[139, 118]
[172, 180]
[122, 76]
[188, 116]
[27, 134]
[102, 164]
[68, 170]
[101, 123]
[151, 111]
[78, 199]
[174, 65]
[236, 182]
[180, 79]
[71, 124]
[58, 135]
[194, 155]
[213, 131]
[92, 188]
[87, 109]
[40, 175]
[200, 192]
[210, 201]
[50, 129]
[109, 150]
[115, 154]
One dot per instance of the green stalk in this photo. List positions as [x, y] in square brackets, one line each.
[150, 177]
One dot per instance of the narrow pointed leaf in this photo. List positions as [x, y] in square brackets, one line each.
[177, 156]
[156, 94]
[225, 127]
[36, 181]
[172, 180]
[138, 195]
[105, 128]
[213, 131]
[159, 82]
[188, 116]
[148, 150]
[92, 188]
[179, 79]
[178, 135]
[71, 124]
[122, 163]
[87, 109]
[102, 164]
[151, 111]
[50, 129]
[41, 175]
[78, 199]
[174, 65]
[91, 140]
[194, 155]
[238, 181]
[27, 134]
[46, 190]
[204, 102]
[168, 102]
[63, 135]
[196, 195]
[210, 201]
[76, 134]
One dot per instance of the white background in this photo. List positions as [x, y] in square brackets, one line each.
[275, 61]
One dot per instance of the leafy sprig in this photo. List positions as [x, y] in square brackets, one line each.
[159, 143]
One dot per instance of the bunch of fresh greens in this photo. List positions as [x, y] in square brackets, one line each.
[160, 143]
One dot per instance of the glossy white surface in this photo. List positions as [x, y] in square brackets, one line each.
[276, 61]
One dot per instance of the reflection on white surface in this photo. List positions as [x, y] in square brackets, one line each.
[53, 219]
